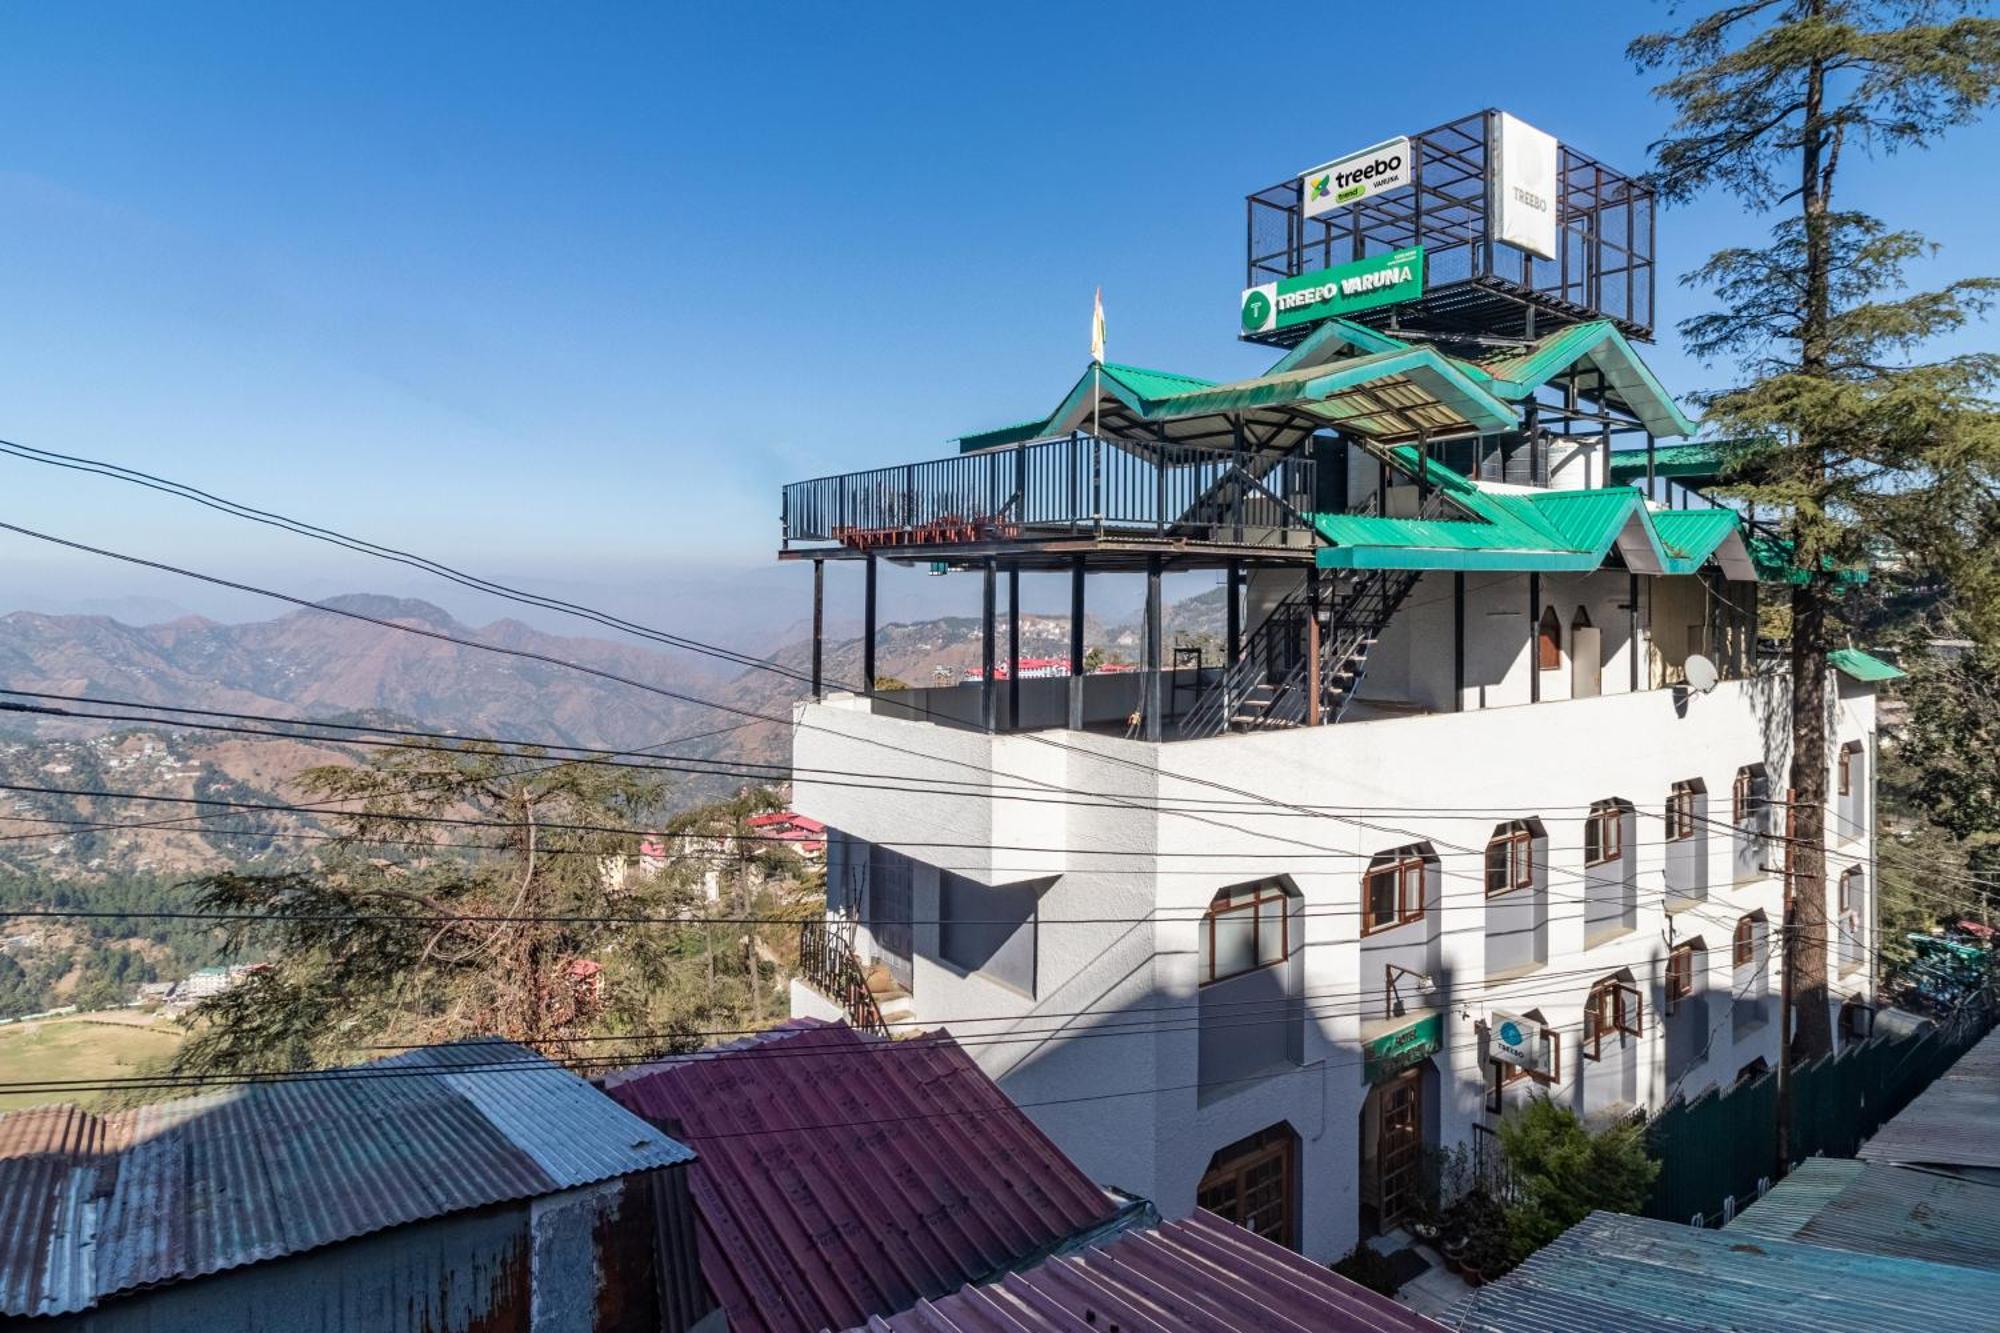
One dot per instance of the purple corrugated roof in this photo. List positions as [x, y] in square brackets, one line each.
[843, 1176]
[93, 1205]
[1198, 1274]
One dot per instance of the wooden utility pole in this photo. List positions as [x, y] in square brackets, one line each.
[1786, 932]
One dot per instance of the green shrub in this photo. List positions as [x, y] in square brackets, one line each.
[1565, 1170]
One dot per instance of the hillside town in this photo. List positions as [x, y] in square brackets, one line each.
[1481, 813]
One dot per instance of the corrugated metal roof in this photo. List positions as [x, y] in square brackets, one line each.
[1952, 1122]
[843, 1176]
[1875, 1209]
[93, 1205]
[1610, 1272]
[1864, 667]
[1699, 462]
[1606, 350]
[1198, 1274]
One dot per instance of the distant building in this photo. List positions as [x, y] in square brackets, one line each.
[422, 1193]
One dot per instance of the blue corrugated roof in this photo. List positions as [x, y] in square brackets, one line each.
[93, 1205]
[1890, 1210]
[1610, 1272]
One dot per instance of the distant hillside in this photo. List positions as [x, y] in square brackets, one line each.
[310, 665]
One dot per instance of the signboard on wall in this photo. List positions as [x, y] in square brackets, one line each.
[1344, 288]
[1393, 1052]
[1523, 186]
[1520, 1042]
[1348, 180]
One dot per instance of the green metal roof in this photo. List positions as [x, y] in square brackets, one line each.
[1544, 531]
[1701, 462]
[1014, 434]
[1864, 667]
[1605, 349]
[1773, 558]
[1334, 338]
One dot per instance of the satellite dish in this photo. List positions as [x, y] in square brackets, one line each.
[1701, 673]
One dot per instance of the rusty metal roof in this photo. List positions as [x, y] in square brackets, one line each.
[842, 1176]
[1951, 1123]
[1611, 1272]
[94, 1205]
[1893, 1210]
[1198, 1274]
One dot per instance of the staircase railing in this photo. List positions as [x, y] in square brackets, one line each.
[828, 964]
[1274, 658]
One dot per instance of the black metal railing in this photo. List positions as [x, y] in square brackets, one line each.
[1072, 484]
[829, 965]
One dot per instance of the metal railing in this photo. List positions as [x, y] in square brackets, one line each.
[829, 965]
[1072, 484]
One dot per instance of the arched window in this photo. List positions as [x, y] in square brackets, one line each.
[1549, 640]
[1392, 890]
[1682, 803]
[1510, 857]
[1581, 620]
[1753, 1071]
[1604, 832]
[1613, 1008]
[1684, 968]
[1743, 951]
[1751, 794]
[1857, 1019]
[1850, 889]
[1247, 927]
[1850, 758]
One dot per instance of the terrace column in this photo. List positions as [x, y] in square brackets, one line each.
[1076, 643]
[1013, 647]
[819, 629]
[989, 698]
[868, 624]
[1153, 695]
[1534, 638]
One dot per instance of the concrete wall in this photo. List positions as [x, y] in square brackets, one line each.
[1140, 837]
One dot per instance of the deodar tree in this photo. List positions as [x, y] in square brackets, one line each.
[1870, 441]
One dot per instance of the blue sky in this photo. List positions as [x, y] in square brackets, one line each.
[565, 293]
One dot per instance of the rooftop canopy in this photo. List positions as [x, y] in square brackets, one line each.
[1360, 380]
[1506, 528]
[1696, 464]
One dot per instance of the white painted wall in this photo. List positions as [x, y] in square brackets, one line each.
[1140, 837]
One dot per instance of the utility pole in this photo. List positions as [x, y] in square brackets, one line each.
[1785, 934]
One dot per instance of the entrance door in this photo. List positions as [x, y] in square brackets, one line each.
[1251, 1183]
[1586, 655]
[1399, 1148]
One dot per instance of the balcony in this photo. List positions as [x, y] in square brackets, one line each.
[1060, 496]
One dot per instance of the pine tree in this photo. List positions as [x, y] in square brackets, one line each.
[1865, 444]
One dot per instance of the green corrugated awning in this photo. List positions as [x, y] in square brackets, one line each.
[992, 439]
[1622, 376]
[1700, 463]
[1541, 531]
[1864, 667]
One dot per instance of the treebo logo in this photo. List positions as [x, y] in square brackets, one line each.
[1511, 1034]
[1258, 309]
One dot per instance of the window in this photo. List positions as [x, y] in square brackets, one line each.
[1681, 810]
[1549, 640]
[1753, 1071]
[1247, 927]
[1252, 1183]
[1750, 795]
[1613, 1008]
[1744, 949]
[1392, 892]
[1683, 967]
[1850, 755]
[1510, 858]
[1857, 1020]
[1604, 833]
[1850, 885]
[989, 931]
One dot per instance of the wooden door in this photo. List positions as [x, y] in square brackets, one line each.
[1399, 1148]
[1252, 1185]
[1586, 655]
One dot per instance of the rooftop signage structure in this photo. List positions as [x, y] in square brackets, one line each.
[1519, 234]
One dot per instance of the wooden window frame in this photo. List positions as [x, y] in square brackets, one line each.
[1743, 943]
[1607, 820]
[1260, 894]
[1407, 867]
[1548, 640]
[1681, 974]
[1626, 1014]
[1743, 792]
[1680, 812]
[1844, 896]
[1519, 871]
[1279, 1143]
[1844, 766]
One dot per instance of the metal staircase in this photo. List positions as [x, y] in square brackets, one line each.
[1270, 685]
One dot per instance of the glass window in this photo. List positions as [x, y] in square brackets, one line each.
[1681, 811]
[1745, 945]
[1246, 928]
[1510, 858]
[1392, 891]
[1604, 833]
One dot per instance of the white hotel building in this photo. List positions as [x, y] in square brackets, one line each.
[1492, 745]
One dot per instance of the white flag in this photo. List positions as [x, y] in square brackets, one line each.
[1097, 328]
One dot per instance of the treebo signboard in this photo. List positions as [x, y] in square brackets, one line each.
[1350, 179]
[1344, 288]
[1517, 1041]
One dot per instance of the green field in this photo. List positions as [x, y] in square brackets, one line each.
[79, 1047]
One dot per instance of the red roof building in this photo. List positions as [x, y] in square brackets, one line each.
[841, 1177]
